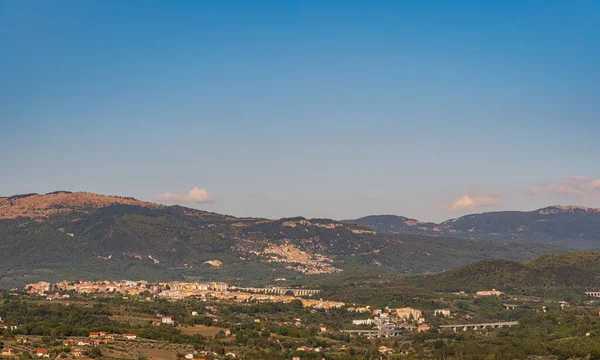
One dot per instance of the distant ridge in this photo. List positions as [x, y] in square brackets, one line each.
[574, 226]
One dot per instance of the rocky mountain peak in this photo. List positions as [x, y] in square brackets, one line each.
[566, 209]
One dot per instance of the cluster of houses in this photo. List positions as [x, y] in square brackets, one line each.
[77, 345]
[60, 289]
[40, 353]
[309, 349]
[200, 355]
[388, 319]
[240, 295]
[384, 350]
[174, 290]
[492, 292]
[101, 337]
[388, 315]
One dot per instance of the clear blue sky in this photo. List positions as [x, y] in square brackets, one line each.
[316, 108]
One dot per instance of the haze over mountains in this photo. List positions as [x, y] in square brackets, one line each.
[83, 235]
[572, 226]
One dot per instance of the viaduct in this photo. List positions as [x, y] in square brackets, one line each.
[465, 327]
[280, 291]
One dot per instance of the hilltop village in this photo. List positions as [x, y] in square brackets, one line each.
[177, 290]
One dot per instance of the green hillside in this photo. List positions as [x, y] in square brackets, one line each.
[576, 271]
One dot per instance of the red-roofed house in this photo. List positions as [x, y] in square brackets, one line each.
[42, 353]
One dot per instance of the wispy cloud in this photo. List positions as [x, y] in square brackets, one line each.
[575, 187]
[470, 202]
[196, 196]
[533, 191]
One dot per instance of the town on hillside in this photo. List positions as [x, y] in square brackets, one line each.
[140, 313]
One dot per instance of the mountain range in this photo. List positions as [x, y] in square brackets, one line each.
[575, 227]
[65, 235]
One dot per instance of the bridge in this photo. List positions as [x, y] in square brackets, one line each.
[280, 291]
[465, 327]
[593, 293]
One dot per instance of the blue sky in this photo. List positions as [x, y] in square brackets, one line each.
[333, 109]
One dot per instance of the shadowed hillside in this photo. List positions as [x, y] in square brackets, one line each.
[579, 270]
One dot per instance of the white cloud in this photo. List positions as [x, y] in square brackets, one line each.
[196, 195]
[574, 187]
[474, 202]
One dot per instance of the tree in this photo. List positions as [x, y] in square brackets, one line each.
[94, 353]
[296, 304]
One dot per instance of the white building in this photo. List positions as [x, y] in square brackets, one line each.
[363, 322]
[219, 286]
[407, 313]
[489, 293]
[442, 312]
[168, 320]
